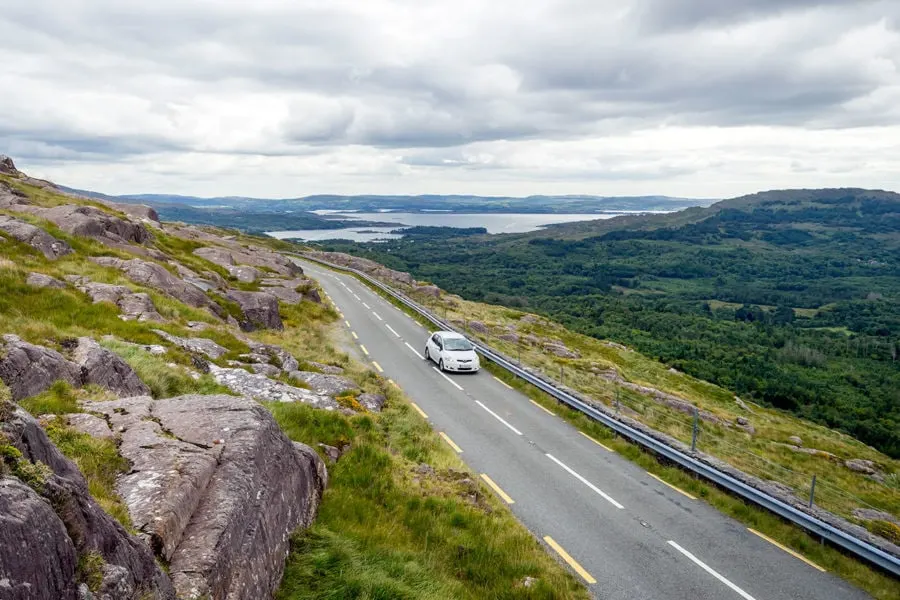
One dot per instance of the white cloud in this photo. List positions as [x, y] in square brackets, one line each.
[286, 98]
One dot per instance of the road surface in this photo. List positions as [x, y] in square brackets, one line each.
[628, 535]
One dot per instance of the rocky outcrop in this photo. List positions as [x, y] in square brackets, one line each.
[292, 291]
[39, 280]
[11, 198]
[157, 277]
[329, 385]
[33, 567]
[89, 221]
[263, 389]
[91, 425]
[7, 166]
[203, 346]
[277, 355]
[372, 402]
[329, 369]
[134, 306]
[478, 327]
[253, 256]
[559, 349]
[260, 310]
[139, 212]
[244, 274]
[47, 529]
[28, 369]
[35, 237]
[367, 266]
[216, 488]
[432, 291]
[101, 367]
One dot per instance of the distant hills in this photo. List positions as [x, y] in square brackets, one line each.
[421, 203]
[790, 297]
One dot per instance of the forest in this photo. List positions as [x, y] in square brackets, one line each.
[787, 298]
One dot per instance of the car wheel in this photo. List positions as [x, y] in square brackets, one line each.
[427, 356]
[441, 365]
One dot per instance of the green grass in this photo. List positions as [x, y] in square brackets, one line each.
[386, 532]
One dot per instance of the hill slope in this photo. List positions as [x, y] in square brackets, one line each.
[789, 298]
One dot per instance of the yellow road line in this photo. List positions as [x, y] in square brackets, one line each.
[546, 410]
[604, 446]
[786, 549]
[355, 337]
[348, 323]
[378, 367]
[503, 495]
[393, 383]
[366, 352]
[571, 561]
[450, 442]
[502, 382]
[679, 490]
[418, 410]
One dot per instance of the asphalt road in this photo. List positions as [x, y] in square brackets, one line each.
[627, 535]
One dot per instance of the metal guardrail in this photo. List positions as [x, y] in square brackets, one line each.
[860, 548]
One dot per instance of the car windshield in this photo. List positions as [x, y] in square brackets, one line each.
[457, 344]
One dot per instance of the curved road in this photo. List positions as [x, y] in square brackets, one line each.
[627, 535]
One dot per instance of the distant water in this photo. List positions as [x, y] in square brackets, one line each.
[494, 222]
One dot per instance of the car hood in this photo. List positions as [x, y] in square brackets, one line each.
[461, 354]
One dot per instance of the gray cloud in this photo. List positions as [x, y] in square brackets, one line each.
[390, 88]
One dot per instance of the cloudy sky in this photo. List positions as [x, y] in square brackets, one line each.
[280, 98]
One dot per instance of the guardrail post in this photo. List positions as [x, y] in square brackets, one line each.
[696, 429]
[561, 375]
[617, 400]
[812, 491]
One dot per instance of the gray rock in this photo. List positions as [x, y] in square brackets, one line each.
[37, 558]
[278, 355]
[134, 306]
[27, 369]
[329, 369]
[870, 514]
[138, 212]
[478, 327]
[796, 440]
[35, 237]
[101, 367]
[259, 308]
[267, 370]
[263, 389]
[157, 277]
[217, 488]
[372, 402]
[254, 357]
[244, 274]
[431, 291]
[559, 349]
[329, 385]
[859, 465]
[200, 345]
[286, 295]
[253, 256]
[40, 280]
[89, 221]
[11, 198]
[197, 325]
[90, 424]
[509, 337]
[745, 425]
[7, 166]
[138, 307]
[87, 527]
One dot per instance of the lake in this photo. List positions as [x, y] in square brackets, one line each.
[494, 222]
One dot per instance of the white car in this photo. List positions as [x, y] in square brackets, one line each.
[452, 352]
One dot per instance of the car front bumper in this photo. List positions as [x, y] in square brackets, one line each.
[465, 368]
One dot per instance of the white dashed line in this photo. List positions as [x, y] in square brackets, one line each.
[392, 330]
[377, 316]
[712, 572]
[416, 352]
[498, 417]
[585, 481]
[444, 375]
[357, 297]
[367, 306]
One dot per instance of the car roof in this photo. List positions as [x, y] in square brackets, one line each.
[450, 334]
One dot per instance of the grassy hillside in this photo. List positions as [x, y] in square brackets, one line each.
[789, 298]
[389, 527]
